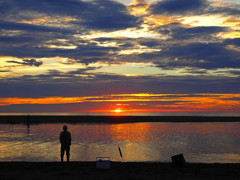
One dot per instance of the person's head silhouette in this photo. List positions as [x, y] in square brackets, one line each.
[65, 127]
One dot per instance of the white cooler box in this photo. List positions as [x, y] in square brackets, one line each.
[103, 162]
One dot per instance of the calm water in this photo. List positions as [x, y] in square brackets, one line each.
[199, 142]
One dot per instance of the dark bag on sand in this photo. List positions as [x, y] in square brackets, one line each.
[178, 160]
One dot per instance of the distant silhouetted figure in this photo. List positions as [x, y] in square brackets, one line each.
[65, 140]
[28, 121]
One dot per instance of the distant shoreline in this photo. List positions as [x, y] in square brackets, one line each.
[15, 119]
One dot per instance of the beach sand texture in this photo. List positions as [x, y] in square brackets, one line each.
[118, 171]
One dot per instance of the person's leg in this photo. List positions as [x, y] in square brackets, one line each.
[68, 153]
[62, 152]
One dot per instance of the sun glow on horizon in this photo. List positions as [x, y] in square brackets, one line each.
[117, 110]
[142, 102]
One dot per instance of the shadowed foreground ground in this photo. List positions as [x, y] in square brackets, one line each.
[118, 170]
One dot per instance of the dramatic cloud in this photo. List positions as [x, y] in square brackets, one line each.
[97, 48]
[196, 32]
[159, 102]
[193, 7]
[226, 9]
[202, 55]
[28, 62]
[101, 15]
[31, 28]
[178, 6]
[235, 41]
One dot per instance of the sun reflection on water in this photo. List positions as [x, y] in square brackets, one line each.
[199, 142]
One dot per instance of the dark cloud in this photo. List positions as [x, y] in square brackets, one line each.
[71, 84]
[100, 15]
[149, 43]
[88, 60]
[196, 71]
[31, 40]
[235, 41]
[227, 9]
[122, 42]
[179, 31]
[232, 99]
[4, 71]
[87, 51]
[178, 6]
[83, 71]
[197, 48]
[193, 7]
[201, 55]
[16, 40]
[24, 51]
[31, 27]
[110, 15]
[234, 72]
[196, 32]
[28, 62]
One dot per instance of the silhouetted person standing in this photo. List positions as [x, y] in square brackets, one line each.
[65, 140]
[28, 121]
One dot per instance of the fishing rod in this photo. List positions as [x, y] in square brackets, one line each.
[120, 152]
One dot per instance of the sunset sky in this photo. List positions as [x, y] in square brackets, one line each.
[119, 56]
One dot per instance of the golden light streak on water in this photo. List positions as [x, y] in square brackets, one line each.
[200, 142]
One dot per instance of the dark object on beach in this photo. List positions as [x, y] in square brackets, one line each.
[65, 140]
[120, 151]
[28, 121]
[178, 160]
[103, 162]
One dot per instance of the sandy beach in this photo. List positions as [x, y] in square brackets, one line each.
[118, 170]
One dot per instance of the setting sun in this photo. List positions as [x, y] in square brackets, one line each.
[118, 110]
[120, 57]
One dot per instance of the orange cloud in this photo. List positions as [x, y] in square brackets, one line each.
[46, 100]
[139, 7]
[35, 21]
[152, 102]
[231, 34]
[47, 19]
[232, 22]
[159, 20]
